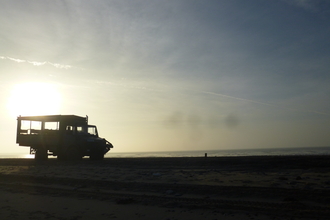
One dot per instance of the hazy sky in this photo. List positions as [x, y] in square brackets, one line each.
[170, 75]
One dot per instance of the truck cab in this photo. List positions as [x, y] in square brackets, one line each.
[65, 136]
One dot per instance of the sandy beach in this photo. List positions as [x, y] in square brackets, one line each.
[260, 187]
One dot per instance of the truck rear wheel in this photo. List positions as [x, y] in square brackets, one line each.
[74, 154]
[41, 154]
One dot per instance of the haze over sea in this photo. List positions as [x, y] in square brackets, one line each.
[325, 150]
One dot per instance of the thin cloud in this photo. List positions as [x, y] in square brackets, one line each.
[265, 103]
[36, 63]
[309, 5]
[16, 60]
[125, 85]
[61, 66]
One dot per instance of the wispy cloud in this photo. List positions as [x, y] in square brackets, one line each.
[125, 85]
[16, 60]
[37, 63]
[267, 104]
[309, 5]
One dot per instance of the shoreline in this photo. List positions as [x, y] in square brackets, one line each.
[294, 151]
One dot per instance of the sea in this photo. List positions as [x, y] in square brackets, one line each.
[229, 153]
[208, 153]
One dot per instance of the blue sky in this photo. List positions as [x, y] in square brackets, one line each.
[171, 75]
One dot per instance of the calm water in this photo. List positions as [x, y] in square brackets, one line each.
[210, 153]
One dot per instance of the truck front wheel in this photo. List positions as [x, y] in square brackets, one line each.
[96, 155]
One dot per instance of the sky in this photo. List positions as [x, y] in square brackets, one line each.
[175, 75]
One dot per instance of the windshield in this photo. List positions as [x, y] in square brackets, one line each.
[92, 130]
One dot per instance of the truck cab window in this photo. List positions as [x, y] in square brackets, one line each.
[69, 129]
[92, 131]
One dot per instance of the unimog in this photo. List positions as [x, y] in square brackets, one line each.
[69, 137]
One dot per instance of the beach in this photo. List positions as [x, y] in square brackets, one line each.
[247, 187]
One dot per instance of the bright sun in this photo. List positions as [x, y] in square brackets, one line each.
[34, 98]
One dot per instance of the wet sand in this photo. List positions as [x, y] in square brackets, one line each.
[261, 187]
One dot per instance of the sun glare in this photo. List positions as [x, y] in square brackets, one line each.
[34, 98]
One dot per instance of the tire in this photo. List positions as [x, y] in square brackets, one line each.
[69, 153]
[97, 155]
[61, 156]
[74, 153]
[41, 154]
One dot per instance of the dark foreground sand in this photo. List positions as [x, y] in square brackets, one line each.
[281, 187]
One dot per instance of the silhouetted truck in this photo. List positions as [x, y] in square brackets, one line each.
[66, 136]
